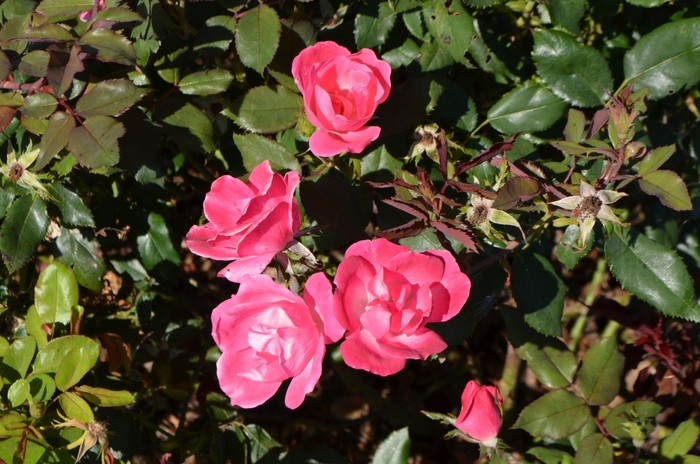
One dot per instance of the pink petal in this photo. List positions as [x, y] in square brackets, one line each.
[381, 70]
[206, 241]
[417, 268]
[377, 321]
[227, 201]
[260, 177]
[455, 282]
[318, 295]
[306, 381]
[358, 356]
[421, 344]
[244, 266]
[321, 51]
[378, 252]
[242, 391]
[325, 144]
[270, 236]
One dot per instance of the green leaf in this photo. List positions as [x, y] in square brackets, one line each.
[56, 292]
[109, 98]
[373, 23]
[594, 449]
[515, 190]
[601, 369]
[634, 412]
[666, 59]
[556, 415]
[259, 442]
[652, 272]
[575, 124]
[74, 365]
[526, 109]
[24, 228]
[49, 357]
[404, 55]
[682, 440]
[133, 267]
[73, 210]
[567, 13]
[215, 36]
[5, 66]
[106, 398]
[394, 449]
[379, 165]
[64, 7]
[83, 256]
[75, 407]
[48, 31]
[455, 108]
[549, 358]
[567, 252]
[414, 23]
[538, 292]
[668, 187]
[4, 346]
[481, 3]
[551, 455]
[186, 124]
[205, 83]
[39, 105]
[55, 138]
[63, 66]
[589, 428]
[575, 73]
[646, 3]
[266, 110]
[41, 387]
[452, 27]
[257, 37]
[18, 393]
[155, 246]
[655, 159]
[94, 143]
[109, 46]
[35, 63]
[35, 126]
[487, 285]
[34, 327]
[255, 149]
[115, 15]
[19, 355]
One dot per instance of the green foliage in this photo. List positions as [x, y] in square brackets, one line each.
[556, 415]
[394, 448]
[599, 376]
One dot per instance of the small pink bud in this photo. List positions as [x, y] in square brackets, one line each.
[480, 417]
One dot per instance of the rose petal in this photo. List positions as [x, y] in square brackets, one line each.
[318, 295]
[321, 51]
[325, 144]
[244, 266]
[358, 356]
[242, 391]
[306, 381]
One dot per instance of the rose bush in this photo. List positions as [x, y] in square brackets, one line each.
[341, 92]
[385, 295]
[267, 334]
[248, 222]
[480, 417]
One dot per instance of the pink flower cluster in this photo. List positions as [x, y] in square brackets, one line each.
[384, 296]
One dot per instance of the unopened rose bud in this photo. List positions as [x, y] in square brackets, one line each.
[480, 417]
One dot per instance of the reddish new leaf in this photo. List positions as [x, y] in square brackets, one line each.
[493, 150]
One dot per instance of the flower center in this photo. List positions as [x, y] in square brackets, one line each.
[479, 215]
[16, 172]
[589, 207]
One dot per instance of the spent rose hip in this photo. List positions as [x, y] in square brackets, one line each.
[341, 91]
[267, 335]
[386, 294]
[480, 417]
[249, 223]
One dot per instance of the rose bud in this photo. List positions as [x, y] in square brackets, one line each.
[480, 417]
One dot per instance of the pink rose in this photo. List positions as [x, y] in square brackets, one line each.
[341, 91]
[267, 334]
[480, 417]
[248, 222]
[385, 294]
[87, 16]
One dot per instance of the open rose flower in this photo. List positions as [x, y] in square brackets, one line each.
[267, 334]
[385, 294]
[248, 222]
[480, 417]
[341, 92]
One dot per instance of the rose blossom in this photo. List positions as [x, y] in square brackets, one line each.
[341, 92]
[480, 417]
[267, 334]
[248, 222]
[385, 294]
